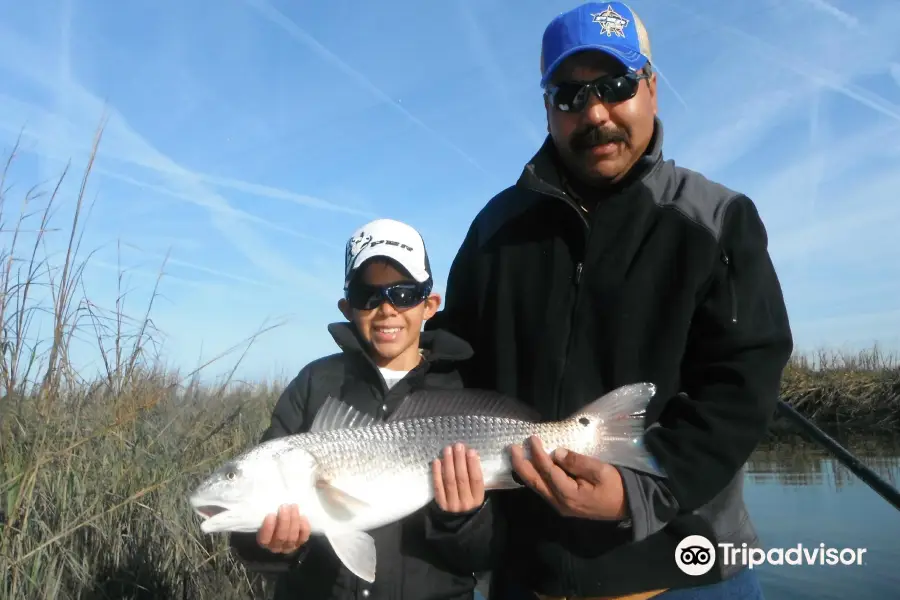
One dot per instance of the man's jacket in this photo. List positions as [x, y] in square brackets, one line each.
[430, 555]
[667, 280]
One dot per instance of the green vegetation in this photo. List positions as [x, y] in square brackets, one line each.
[94, 472]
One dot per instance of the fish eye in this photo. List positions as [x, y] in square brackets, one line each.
[229, 475]
[584, 421]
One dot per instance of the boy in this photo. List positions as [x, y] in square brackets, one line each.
[433, 553]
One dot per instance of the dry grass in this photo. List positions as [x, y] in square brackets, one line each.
[861, 390]
[94, 472]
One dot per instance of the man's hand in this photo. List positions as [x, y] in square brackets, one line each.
[458, 482]
[285, 531]
[574, 484]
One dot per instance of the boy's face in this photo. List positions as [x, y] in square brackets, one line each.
[392, 332]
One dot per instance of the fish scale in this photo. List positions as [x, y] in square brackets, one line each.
[413, 444]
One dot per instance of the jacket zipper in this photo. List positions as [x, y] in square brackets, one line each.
[576, 282]
[732, 295]
[386, 393]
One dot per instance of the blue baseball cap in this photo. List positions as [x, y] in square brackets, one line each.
[609, 27]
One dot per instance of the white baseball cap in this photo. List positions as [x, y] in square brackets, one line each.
[389, 239]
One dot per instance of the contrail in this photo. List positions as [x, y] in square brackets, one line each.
[815, 74]
[669, 84]
[481, 48]
[278, 18]
[833, 11]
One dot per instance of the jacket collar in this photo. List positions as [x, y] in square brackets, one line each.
[436, 345]
[544, 174]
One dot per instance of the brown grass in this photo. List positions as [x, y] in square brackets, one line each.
[95, 470]
[861, 390]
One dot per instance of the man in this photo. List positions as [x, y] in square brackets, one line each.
[606, 264]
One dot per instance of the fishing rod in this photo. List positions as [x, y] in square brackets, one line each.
[844, 456]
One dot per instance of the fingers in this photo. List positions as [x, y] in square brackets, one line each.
[542, 475]
[281, 540]
[458, 480]
[476, 477]
[284, 531]
[461, 470]
[449, 475]
[437, 479]
[528, 473]
[305, 531]
[580, 466]
[543, 464]
[265, 533]
[288, 527]
[558, 481]
[561, 484]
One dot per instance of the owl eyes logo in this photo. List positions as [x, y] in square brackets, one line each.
[695, 555]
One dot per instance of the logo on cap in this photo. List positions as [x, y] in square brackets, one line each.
[611, 22]
[355, 245]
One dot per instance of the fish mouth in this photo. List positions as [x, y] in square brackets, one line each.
[207, 511]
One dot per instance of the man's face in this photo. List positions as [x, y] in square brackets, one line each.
[601, 142]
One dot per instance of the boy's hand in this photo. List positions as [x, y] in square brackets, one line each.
[285, 531]
[458, 482]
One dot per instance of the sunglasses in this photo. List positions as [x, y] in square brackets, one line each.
[572, 96]
[362, 296]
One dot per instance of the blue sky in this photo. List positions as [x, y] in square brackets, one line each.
[250, 137]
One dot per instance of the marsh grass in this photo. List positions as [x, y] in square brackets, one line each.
[832, 388]
[94, 471]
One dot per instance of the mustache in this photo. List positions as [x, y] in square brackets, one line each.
[597, 136]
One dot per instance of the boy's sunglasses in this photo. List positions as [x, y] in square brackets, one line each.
[362, 296]
[572, 96]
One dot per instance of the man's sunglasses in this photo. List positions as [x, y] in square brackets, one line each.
[572, 96]
[361, 296]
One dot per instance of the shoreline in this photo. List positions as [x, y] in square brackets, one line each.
[834, 389]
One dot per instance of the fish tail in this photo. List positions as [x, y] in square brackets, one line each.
[622, 412]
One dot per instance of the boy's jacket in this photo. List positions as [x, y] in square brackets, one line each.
[430, 555]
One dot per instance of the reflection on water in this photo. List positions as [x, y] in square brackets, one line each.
[798, 494]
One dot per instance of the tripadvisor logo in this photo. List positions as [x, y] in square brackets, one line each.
[695, 555]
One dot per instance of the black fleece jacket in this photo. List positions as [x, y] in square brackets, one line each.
[668, 280]
[430, 555]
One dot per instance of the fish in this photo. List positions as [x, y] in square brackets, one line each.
[352, 473]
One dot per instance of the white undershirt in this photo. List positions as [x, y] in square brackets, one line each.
[391, 376]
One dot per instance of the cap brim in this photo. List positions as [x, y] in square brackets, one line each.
[632, 60]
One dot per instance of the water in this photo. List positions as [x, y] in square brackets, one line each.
[798, 494]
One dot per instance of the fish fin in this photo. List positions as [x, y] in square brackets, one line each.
[469, 402]
[356, 549]
[622, 413]
[337, 414]
[339, 504]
